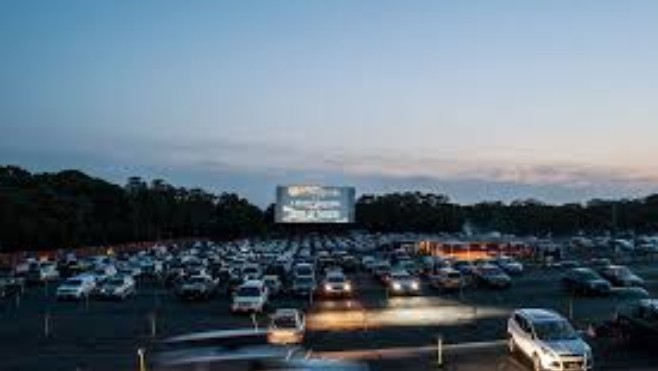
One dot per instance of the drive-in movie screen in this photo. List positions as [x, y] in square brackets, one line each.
[314, 204]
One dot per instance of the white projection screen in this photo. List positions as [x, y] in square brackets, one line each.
[314, 204]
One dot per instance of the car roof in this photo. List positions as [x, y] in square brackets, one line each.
[649, 303]
[539, 314]
[253, 283]
[286, 312]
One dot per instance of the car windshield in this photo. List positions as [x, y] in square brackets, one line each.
[623, 271]
[73, 283]
[249, 291]
[336, 279]
[555, 330]
[285, 322]
[588, 275]
[401, 276]
[490, 271]
[114, 283]
[304, 271]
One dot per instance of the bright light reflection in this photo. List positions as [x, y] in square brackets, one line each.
[402, 311]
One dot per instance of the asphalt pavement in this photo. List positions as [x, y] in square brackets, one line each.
[39, 333]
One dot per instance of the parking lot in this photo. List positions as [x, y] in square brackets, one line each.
[386, 332]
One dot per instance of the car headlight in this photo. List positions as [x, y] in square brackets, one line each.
[348, 287]
[414, 285]
[327, 288]
[396, 286]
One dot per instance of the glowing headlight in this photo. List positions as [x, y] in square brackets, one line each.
[327, 288]
[348, 287]
[396, 286]
[414, 285]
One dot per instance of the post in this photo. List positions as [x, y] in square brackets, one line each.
[46, 325]
[439, 351]
[570, 308]
[141, 359]
[153, 322]
[254, 322]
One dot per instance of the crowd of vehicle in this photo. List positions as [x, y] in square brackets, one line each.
[253, 273]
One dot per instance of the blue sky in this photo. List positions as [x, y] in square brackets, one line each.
[480, 99]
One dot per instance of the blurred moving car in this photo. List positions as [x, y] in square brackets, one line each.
[548, 340]
[619, 275]
[252, 296]
[490, 275]
[585, 281]
[287, 326]
[447, 279]
[118, 287]
[402, 283]
[237, 350]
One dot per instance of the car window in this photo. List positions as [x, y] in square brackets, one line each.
[249, 292]
[335, 279]
[555, 330]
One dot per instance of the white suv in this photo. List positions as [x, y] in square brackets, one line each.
[251, 296]
[549, 340]
[76, 288]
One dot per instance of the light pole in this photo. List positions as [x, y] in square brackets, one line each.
[142, 361]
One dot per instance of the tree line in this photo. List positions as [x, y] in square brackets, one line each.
[71, 209]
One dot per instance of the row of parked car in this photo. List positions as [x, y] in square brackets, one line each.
[601, 280]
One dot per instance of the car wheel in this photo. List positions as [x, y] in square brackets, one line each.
[536, 363]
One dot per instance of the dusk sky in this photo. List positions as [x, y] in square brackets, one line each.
[556, 100]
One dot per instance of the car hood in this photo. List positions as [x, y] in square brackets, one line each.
[631, 278]
[193, 286]
[566, 347]
[247, 300]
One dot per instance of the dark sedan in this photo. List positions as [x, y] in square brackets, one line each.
[586, 281]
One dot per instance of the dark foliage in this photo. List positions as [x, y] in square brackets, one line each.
[70, 209]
